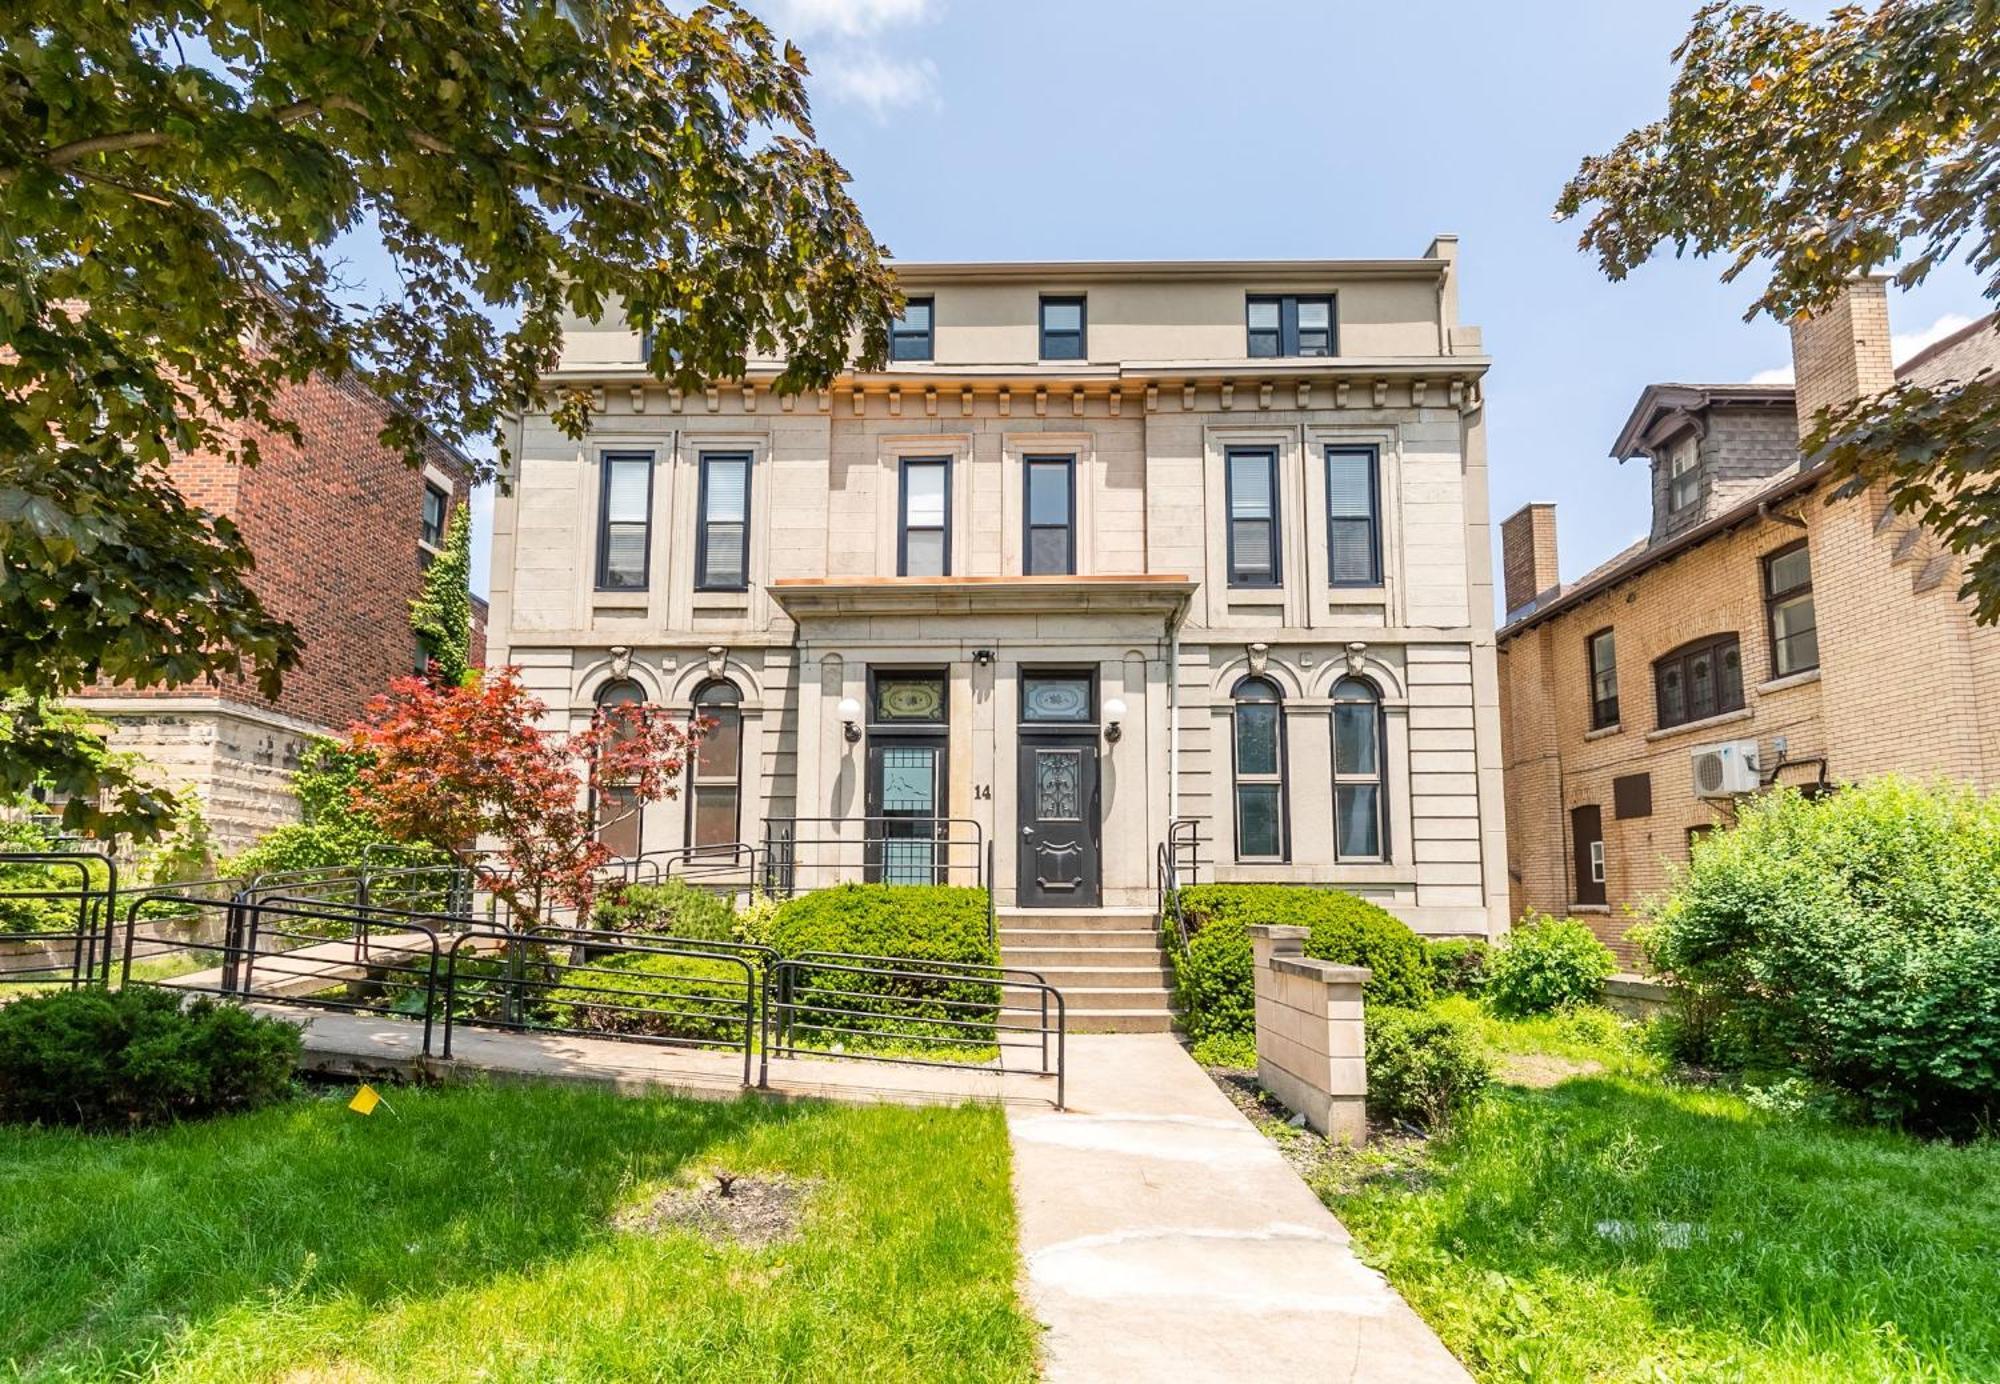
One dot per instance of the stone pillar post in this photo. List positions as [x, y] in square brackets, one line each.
[1309, 1043]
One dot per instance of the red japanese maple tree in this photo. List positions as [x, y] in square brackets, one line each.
[452, 764]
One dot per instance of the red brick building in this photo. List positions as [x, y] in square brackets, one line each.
[341, 529]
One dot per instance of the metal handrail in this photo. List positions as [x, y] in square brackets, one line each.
[95, 910]
[950, 839]
[1181, 850]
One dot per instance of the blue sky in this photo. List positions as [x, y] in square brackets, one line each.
[1141, 129]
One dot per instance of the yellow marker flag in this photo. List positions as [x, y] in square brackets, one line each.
[365, 1100]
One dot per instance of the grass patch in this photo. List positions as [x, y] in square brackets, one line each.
[1618, 1226]
[471, 1235]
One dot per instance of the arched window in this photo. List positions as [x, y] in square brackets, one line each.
[715, 773]
[1260, 770]
[620, 816]
[1358, 752]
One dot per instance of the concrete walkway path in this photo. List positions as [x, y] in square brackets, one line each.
[1165, 1238]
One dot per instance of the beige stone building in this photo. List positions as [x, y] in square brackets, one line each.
[1108, 554]
[1762, 632]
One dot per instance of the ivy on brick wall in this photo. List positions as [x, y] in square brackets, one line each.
[442, 614]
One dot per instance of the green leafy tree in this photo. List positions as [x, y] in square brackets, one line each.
[175, 179]
[442, 615]
[1824, 150]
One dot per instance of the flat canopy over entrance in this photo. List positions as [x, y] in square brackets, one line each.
[1138, 594]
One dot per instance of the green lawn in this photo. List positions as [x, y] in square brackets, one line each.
[467, 1235]
[1617, 1226]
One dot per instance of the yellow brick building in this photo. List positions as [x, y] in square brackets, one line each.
[1762, 632]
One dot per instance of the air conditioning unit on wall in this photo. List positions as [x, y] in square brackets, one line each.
[1725, 770]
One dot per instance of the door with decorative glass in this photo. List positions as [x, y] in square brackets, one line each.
[908, 736]
[1058, 806]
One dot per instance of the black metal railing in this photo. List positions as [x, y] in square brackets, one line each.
[55, 911]
[726, 867]
[876, 850]
[1176, 865]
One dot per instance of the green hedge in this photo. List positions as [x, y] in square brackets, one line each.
[124, 1059]
[1854, 939]
[1547, 964]
[1213, 975]
[673, 908]
[685, 997]
[913, 922]
[1423, 1067]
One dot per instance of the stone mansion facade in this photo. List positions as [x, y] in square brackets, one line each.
[1108, 554]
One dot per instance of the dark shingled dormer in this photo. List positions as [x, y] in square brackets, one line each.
[1710, 446]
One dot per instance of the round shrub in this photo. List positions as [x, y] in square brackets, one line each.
[1458, 965]
[1213, 974]
[672, 908]
[1547, 964]
[1854, 939]
[692, 998]
[125, 1059]
[1423, 1067]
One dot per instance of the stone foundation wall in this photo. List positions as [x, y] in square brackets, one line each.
[239, 762]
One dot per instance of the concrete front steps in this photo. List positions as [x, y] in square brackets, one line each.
[1106, 962]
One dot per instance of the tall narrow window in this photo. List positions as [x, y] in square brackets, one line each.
[620, 817]
[1603, 650]
[436, 504]
[1788, 602]
[1260, 770]
[1253, 516]
[1062, 329]
[924, 532]
[1358, 751]
[1048, 544]
[625, 521]
[910, 334]
[722, 544]
[1684, 474]
[716, 771]
[1353, 518]
[1586, 835]
[1288, 325]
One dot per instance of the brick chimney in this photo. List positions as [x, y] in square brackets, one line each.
[1528, 554]
[1843, 354]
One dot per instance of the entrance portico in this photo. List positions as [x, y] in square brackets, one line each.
[1034, 707]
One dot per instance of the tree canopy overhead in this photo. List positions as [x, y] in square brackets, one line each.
[177, 178]
[1823, 150]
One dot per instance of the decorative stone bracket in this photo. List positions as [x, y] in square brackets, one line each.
[1309, 1038]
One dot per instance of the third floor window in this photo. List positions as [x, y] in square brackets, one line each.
[1062, 329]
[436, 503]
[910, 336]
[1288, 325]
[1683, 474]
[1788, 602]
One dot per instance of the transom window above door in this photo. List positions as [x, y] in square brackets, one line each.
[909, 699]
[1057, 698]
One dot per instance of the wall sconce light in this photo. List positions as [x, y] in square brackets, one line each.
[983, 657]
[1114, 720]
[849, 712]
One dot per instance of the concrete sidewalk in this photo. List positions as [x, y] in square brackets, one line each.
[1165, 1238]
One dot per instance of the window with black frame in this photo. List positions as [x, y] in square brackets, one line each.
[437, 504]
[1602, 648]
[1048, 505]
[1788, 606]
[722, 539]
[1252, 480]
[910, 336]
[624, 521]
[1353, 517]
[923, 539]
[618, 813]
[1259, 744]
[1286, 324]
[716, 767]
[1698, 680]
[1359, 748]
[1063, 328]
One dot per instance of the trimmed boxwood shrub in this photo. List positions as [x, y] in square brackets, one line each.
[1547, 964]
[125, 1059]
[1213, 975]
[913, 922]
[1853, 939]
[686, 997]
[673, 908]
[1423, 1067]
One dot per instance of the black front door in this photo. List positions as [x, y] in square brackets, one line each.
[1058, 821]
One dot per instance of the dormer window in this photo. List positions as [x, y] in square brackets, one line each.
[1683, 474]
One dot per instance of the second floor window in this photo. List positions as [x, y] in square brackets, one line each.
[1698, 680]
[436, 506]
[910, 334]
[1353, 524]
[624, 521]
[923, 546]
[1788, 603]
[1049, 509]
[1253, 516]
[1683, 474]
[722, 538]
[1062, 329]
[1288, 325]
[1603, 650]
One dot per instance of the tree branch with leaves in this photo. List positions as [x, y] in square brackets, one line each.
[1826, 150]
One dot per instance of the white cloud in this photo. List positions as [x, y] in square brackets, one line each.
[1902, 345]
[847, 18]
[879, 82]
